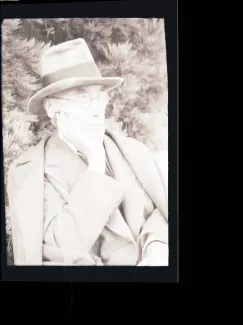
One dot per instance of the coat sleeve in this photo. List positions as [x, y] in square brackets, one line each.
[153, 239]
[17, 240]
[76, 221]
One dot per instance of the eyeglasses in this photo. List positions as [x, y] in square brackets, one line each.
[86, 99]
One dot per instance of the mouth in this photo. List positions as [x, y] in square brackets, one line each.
[96, 123]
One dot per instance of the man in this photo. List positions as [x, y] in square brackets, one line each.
[84, 195]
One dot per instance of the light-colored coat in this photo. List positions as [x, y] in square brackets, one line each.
[92, 198]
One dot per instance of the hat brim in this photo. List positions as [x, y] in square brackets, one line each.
[35, 105]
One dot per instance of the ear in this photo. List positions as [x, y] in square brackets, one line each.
[54, 121]
[47, 105]
[44, 102]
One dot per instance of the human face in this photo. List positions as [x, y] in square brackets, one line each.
[87, 105]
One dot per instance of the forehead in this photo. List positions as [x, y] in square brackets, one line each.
[80, 90]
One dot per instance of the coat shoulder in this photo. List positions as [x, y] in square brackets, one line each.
[128, 141]
[30, 153]
[138, 146]
[18, 167]
[24, 157]
[157, 156]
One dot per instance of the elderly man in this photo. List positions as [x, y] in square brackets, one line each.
[84, 195]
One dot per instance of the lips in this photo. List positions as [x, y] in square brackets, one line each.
[96, 123]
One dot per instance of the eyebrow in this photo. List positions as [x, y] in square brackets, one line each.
[64, 96]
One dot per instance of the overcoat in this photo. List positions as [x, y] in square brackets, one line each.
[63, 213]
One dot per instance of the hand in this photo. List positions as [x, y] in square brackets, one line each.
[77, 136]
[156, 255]
[152, 262]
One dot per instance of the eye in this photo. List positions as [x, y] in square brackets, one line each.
[83, 96]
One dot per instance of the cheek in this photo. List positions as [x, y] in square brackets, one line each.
[83, 121]
[87, 116]
[82, 117]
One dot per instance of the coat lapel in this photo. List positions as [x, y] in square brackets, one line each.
[133, 202]
[63, 166]
[139, 158]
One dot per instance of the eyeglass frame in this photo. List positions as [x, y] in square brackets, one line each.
[81, 95]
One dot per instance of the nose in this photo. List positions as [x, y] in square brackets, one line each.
[95, 108]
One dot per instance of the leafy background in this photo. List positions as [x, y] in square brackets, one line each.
[133, 48]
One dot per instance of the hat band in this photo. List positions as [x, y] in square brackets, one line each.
[82, 70]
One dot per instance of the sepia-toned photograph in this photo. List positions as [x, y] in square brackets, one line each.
[85, 141]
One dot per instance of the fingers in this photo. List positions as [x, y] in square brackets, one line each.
[70, 130]
[67, 129]
[83, 139]
[64, 127]
[77, 135]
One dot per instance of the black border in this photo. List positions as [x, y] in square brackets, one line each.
[162, 9]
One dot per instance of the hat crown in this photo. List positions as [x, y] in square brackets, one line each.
[65, 55]
[68, 65]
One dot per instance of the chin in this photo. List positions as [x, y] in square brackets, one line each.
[97, 133]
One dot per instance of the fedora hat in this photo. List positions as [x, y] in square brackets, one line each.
[68, 65]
